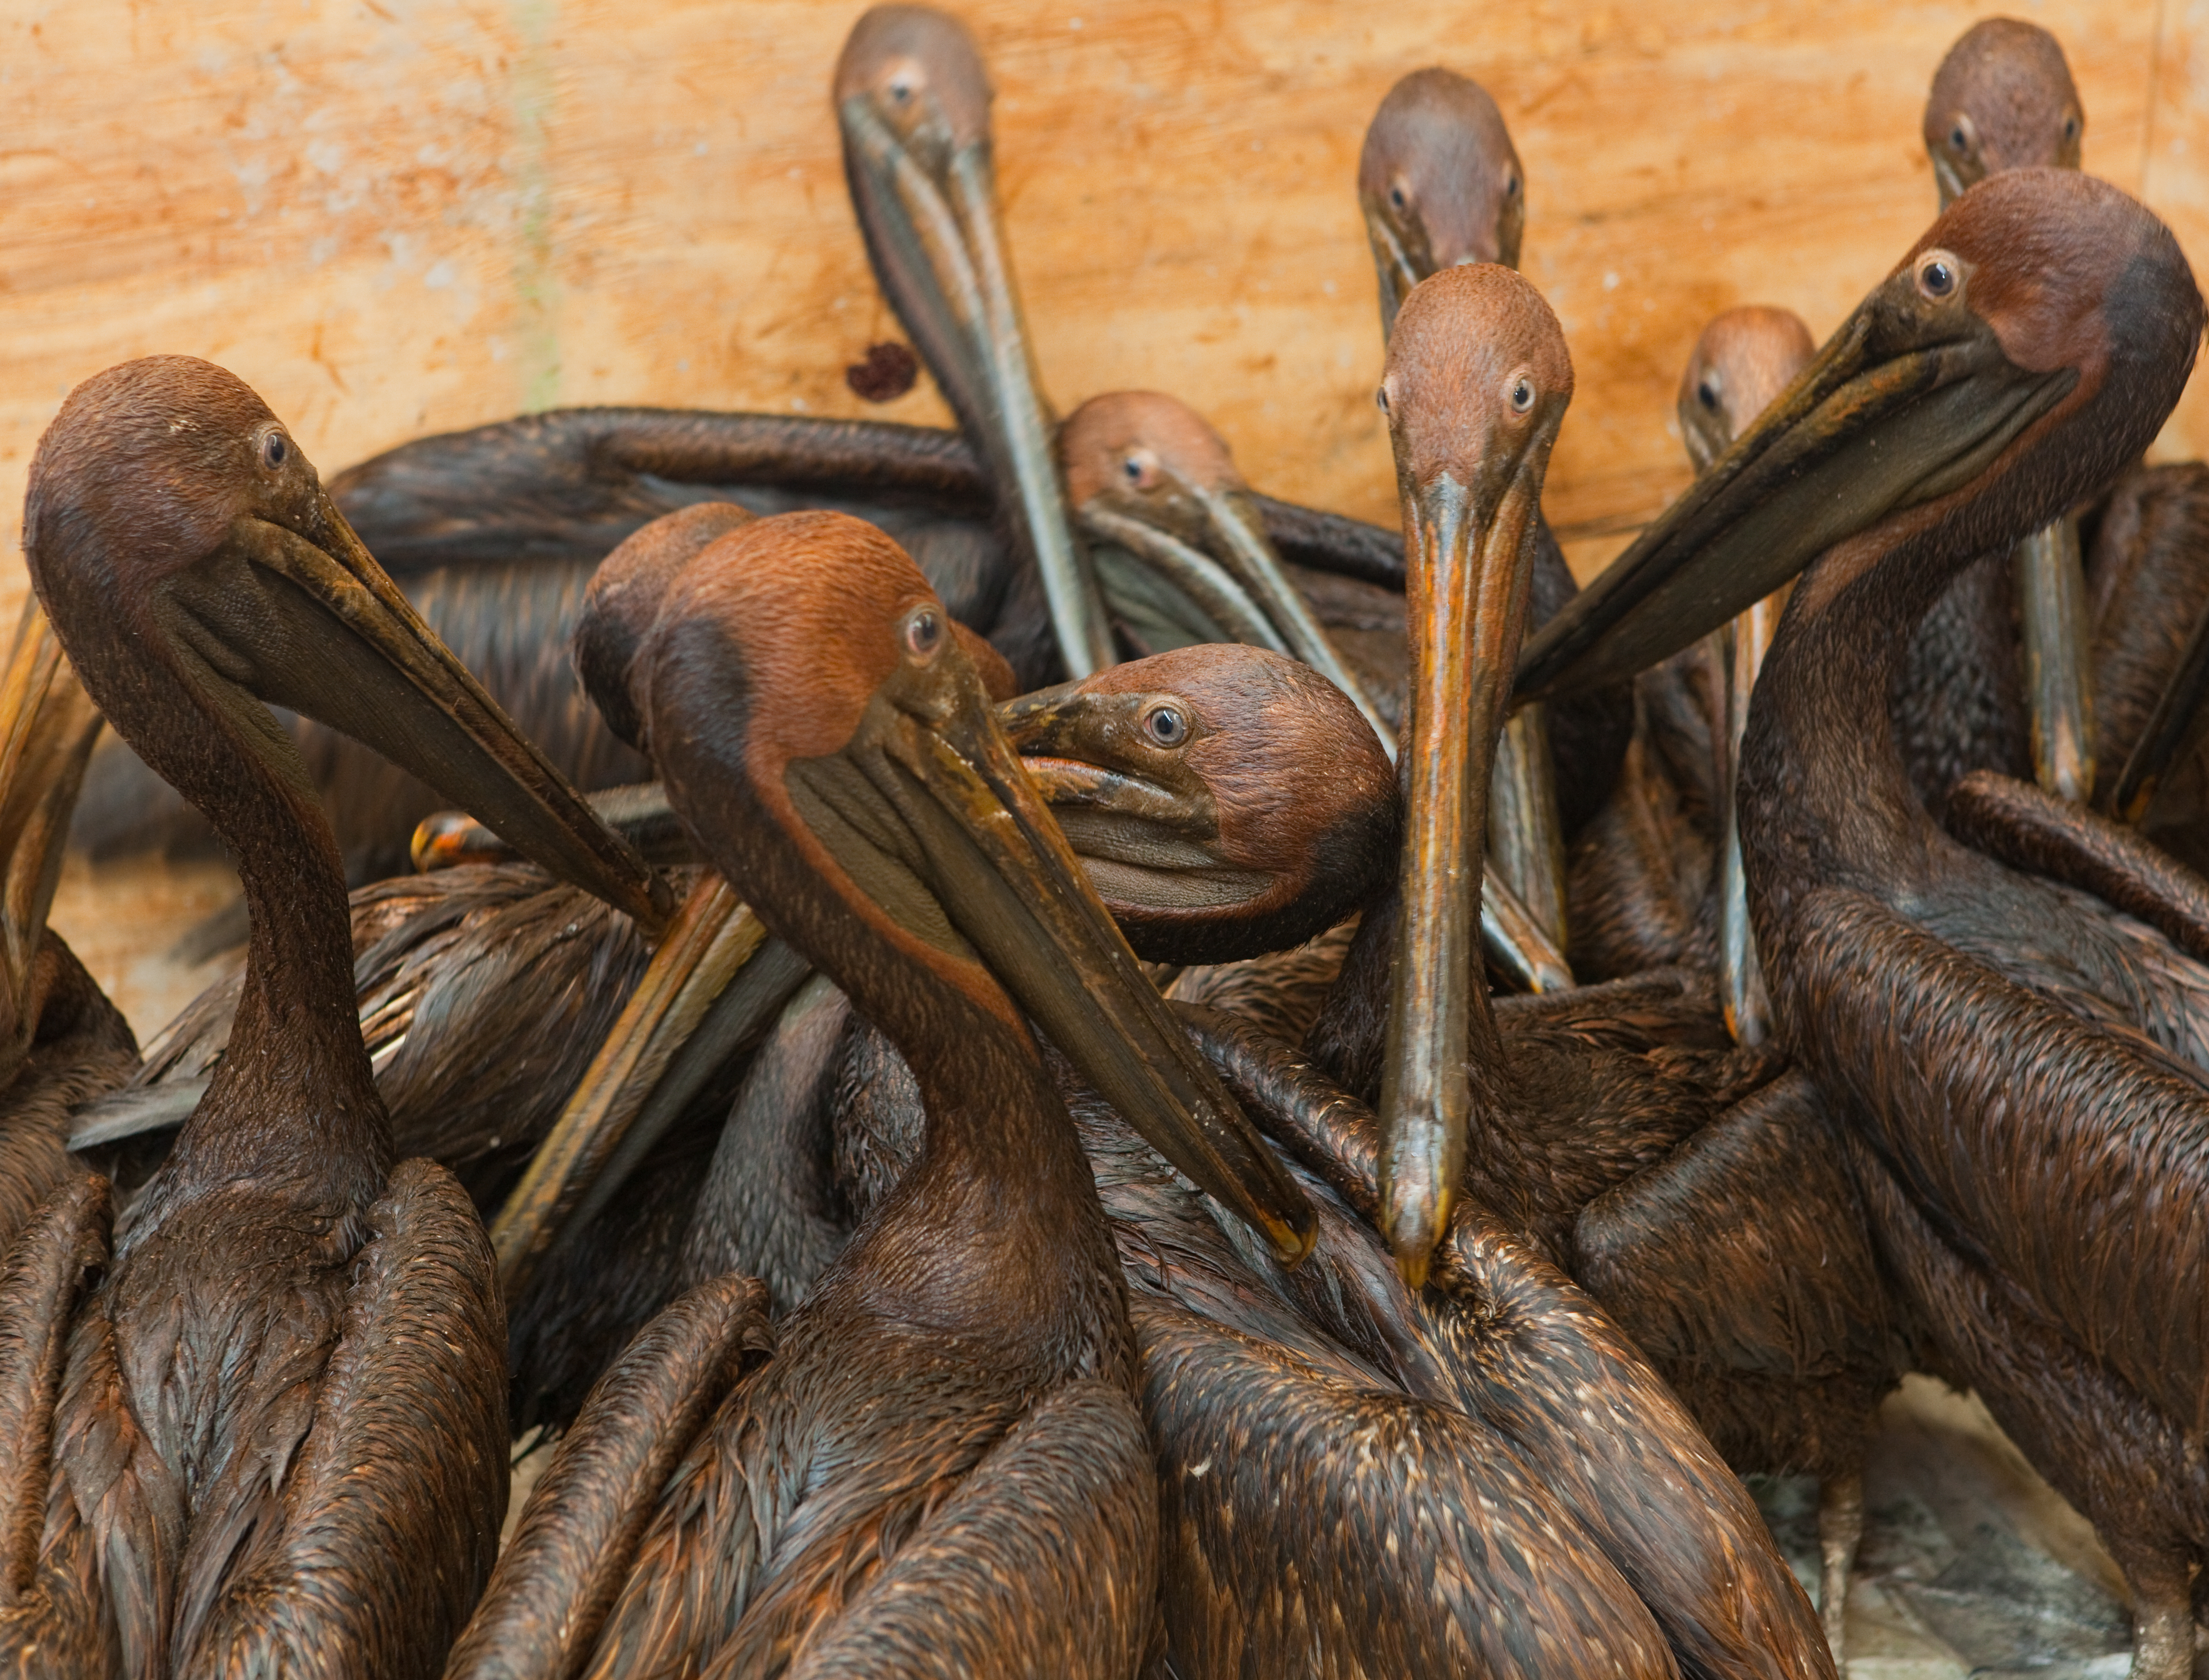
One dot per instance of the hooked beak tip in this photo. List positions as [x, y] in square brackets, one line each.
[1414, 1235]
[1416, 1210]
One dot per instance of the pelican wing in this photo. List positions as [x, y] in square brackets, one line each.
[1343, 1531]
[371, 1554]
[51, 1605]
[1745, 1250]
[1040, 1560]
[557, 1579]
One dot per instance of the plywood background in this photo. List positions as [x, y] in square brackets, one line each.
[394, 216]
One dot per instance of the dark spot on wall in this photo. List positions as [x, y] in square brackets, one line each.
[886, 375]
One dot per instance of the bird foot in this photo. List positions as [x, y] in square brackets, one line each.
[1840, 1530]
[2163, 1640]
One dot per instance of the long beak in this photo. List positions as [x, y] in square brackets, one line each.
[2057, 634]
[1876, 423]
[1005, 876]
[1466, 607]
[1745, 1002]
[47, 728]
[1173, 585]
[338, 642]
[1238, 530]
[932, 232]
[713, 952]
[1525, 835]
[1397, 265]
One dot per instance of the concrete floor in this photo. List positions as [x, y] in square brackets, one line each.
[1971, 1565]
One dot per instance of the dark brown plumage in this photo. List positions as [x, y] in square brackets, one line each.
[1439, 183]
[1003, 1512]
[1187, 871]
[1501, 1334]
[484, 992]
[1702, 1201]
[278, 1436]
[2022, 1064]
[1647, 875]
[2147, 581]
[1526, 1112]
[1479, 1529]
[60, 1041]
[563, 1568]
[1742, 1263]
[80, 1047]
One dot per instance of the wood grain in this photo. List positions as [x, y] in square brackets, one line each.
[393, 216]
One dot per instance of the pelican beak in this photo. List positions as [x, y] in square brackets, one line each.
[47, 728]
[1907, 403]
[1148, 839]
[306, 619]
[930, 805]
[713, 986]
[1467, 609]
[927, 204]
[1189, 534]
[1402, 256]
[1237, 532]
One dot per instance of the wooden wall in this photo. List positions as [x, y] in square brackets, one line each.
[397, 216]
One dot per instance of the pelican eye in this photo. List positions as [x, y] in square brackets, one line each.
[1706, 393]
[1396, 196]
[1511, 186]
[1936, 275]
[2071, 127]
[923, 632]
[1958, 139]
[1522, 394]
[1381, 396]
[275, 449]
[901, 89]
[1165, 725]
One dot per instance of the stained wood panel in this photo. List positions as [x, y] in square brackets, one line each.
[394, 216]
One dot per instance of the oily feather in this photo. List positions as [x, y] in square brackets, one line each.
[557, 1578]
[326, 1582]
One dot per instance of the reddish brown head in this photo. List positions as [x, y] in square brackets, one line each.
[1143, 445]
[2002, 98]
[154, 462]
[1439, 183]
[625, 595]
[634, 583]
[1478, 375]
[192, 563]
[1226, 800]
[1477, 382]
[2029, 344]
[1744, 359]
[832, 753]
